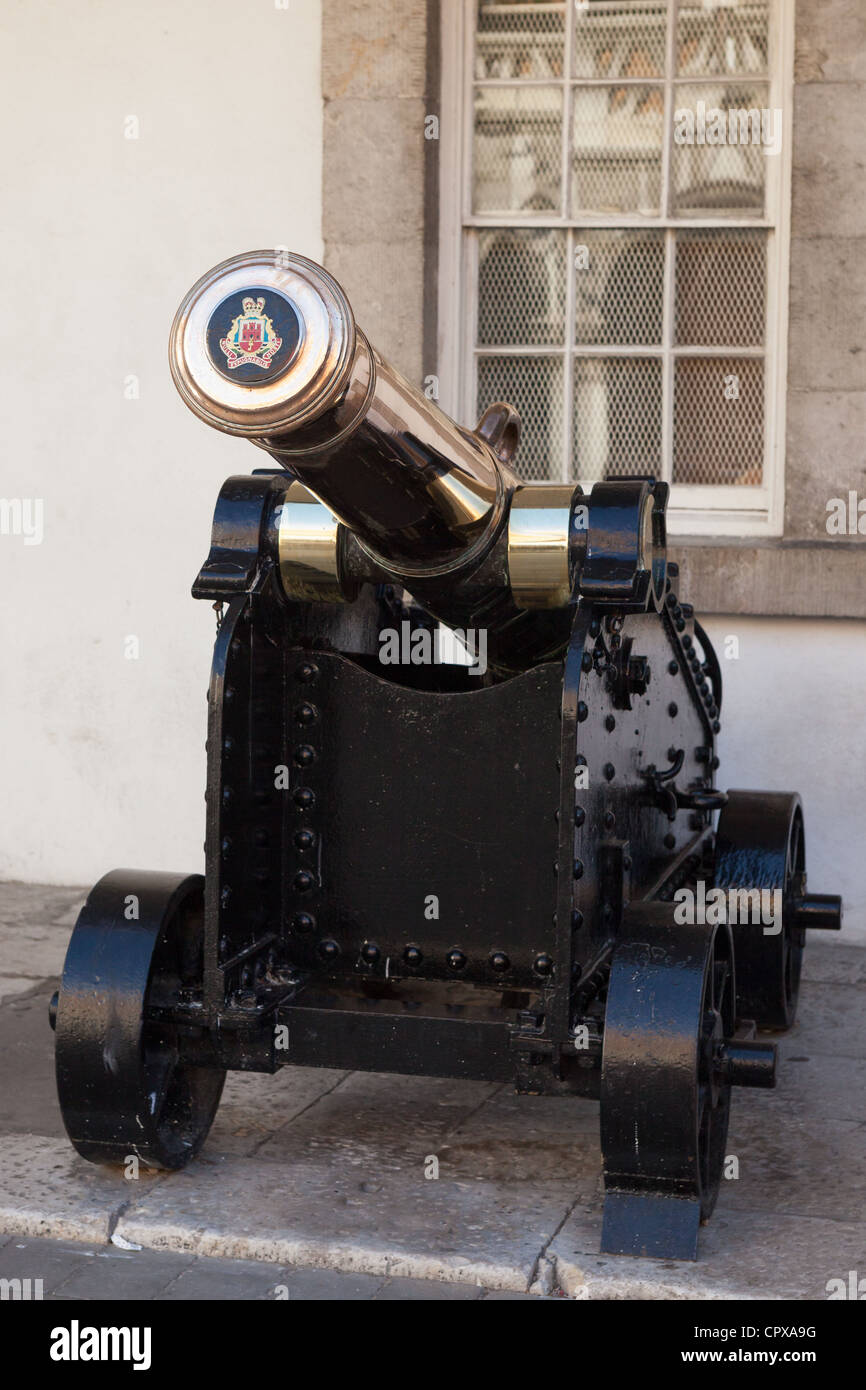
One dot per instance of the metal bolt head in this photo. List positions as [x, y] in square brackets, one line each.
[499, 961]
[370, 953]
[305, 839]
[413, 955]
[304, 923]
[543, 964]
[455, 960]
[328, 950]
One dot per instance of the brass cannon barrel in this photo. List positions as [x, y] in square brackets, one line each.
[266, 346]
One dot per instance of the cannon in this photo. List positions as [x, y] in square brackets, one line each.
[513, 865]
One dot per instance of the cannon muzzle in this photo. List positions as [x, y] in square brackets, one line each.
[266, 346]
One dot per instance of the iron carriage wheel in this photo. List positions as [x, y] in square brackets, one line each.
[665, 1083]
[129, 1079]
[760, 845]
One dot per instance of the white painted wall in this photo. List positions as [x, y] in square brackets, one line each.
[792, 720]
[102, 758]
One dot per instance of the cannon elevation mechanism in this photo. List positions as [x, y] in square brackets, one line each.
[517, 870]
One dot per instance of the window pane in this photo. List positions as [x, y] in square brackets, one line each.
[534, 386]
[728, 36]
[718, 158]
[518, 149]
[620, 287]
[616, 160]
[719, 421]
[720, 288]
[625, 39]
[526, 41]
[617, 424]
[521, 288]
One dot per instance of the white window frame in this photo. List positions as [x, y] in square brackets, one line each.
[693, 511]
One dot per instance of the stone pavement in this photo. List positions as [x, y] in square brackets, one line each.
[315, 1180]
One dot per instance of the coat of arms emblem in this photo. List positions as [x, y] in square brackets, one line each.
[251, 338]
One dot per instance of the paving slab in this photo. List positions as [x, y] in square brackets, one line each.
[418, 1290]
[50, 1261]
[831, 1019]
[254, 1107]
[329, 1216]
[47, 1190]
[831, 960]
[35, 925]
[206, 1279]
[815, 1086]
[534, 1139]
[140, 1275]
[28, 1093]
[793, 1165]
[11, 986]
[40, 904]
[378, 1123]
[743, 1255]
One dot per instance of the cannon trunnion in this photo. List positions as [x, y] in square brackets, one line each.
[414, 865]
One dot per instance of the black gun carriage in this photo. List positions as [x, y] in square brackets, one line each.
[422, 866]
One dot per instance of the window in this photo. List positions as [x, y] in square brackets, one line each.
[616, 265]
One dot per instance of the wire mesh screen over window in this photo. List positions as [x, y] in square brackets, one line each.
[618, 234]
